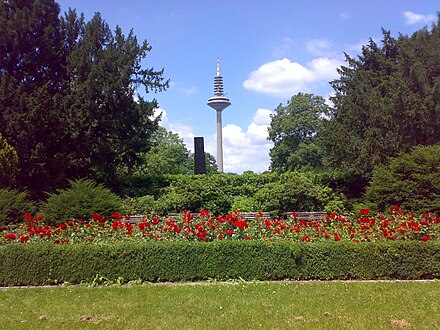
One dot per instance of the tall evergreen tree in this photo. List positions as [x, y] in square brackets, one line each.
[110, 127]
[67, 94]
[386, 101]
[32, 81]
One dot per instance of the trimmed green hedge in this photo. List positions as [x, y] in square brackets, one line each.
[39, 264]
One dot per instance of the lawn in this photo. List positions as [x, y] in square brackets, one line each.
[238, 305]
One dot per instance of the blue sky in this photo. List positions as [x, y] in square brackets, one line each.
[268, 51]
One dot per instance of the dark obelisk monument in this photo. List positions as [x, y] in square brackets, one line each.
[199, 156]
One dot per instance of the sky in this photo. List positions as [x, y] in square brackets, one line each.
[269, 50]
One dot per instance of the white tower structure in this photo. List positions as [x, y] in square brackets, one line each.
[219, 102]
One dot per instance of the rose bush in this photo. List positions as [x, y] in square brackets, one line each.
[398, 225]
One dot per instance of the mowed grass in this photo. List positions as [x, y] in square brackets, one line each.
[241, 305]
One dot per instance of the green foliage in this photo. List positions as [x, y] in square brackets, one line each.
[243, 203]
[137, 186]
[222, 193]
[109, 127]
[39, 264]
[67, 94]
[295, 192]
[80, 201]
[168, 155]
[293, 130]
[31, 90]
[194, 193]
[218, 193]
[8, 163]
[13, 205]
[386, 102]
[137, 205]
[411, 181]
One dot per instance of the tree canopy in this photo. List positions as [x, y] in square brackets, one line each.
[293, 130]
[68, 94]
[386, 101]
[168, 155]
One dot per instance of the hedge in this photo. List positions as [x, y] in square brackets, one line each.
[41, 264]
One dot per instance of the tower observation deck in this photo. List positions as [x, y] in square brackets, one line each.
[219, 102]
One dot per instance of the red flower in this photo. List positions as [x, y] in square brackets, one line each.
[230, 232]
[337, 237]
[204, 213]
[116, 216]
[365, 211]
[99, 218]
[115, 225]
[10, 236]
[24, 238]
[426, 238]
[62, 226]
[305, 239]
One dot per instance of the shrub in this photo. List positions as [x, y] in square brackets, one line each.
[13, 205]
[137, 205]
[39, 264]
[411, 181]
[243, 203]
[294, 192]
[196, 192]
[79, 201]
[8, 163]
[141, 185]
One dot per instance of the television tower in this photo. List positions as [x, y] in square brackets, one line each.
[219, 102]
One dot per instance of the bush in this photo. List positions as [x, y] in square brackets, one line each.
[196, 192]
[244, 204]
[8, 163]
[79, 201]
[141, 185]
[13, 205]
[295, 192]
[411, 181]
[39, 264]
[137, 205]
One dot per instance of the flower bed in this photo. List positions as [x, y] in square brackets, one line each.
[365, 227]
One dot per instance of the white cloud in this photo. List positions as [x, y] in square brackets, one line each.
[187, 90]
[318, 46]
[284, 48]
[185, 132]
[284, 78]
[414, 18]
[247, 150]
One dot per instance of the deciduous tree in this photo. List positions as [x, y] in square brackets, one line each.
[293, 130]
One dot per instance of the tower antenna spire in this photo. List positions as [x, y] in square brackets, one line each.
[219, 102]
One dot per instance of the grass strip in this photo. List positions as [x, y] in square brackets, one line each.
[239, 305]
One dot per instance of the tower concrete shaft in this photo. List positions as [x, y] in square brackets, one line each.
[219, 102]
